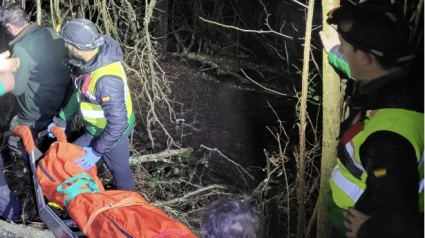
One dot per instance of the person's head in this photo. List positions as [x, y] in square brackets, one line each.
[374, 38]
[14, 18]
[230, 218]
[81, 38]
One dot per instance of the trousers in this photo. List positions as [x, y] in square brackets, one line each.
[9, 205]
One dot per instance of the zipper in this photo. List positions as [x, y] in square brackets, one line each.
[46, 173]
[119, 228]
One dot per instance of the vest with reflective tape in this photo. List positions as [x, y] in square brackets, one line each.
[90, 110]
[348, 179]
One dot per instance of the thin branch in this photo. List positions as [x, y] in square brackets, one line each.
[188, 195]
[227, 158]
[245, 30]
[268, 89]
[301, 4]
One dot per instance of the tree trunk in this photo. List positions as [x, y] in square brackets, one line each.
[38, 12]
[161, 14]
[331, 121]
[303, 122]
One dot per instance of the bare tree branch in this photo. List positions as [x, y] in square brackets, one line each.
[245, 30]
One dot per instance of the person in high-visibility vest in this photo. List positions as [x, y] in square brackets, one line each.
[102, 99]
[377, 184]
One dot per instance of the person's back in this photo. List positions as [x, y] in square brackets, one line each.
[46, 70]
[42, 80]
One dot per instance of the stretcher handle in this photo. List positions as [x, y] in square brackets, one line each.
[25, 134]
[58, 133]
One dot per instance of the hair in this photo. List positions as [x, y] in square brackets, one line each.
[387, 63]
[401, 30]
[230, 218]
[14, 14]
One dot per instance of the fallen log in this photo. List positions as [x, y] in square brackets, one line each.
[159, 157]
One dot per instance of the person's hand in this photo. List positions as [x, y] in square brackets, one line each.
[329, 42]
[353, 221]
[88, 160]
[49, 127]
[8, 64]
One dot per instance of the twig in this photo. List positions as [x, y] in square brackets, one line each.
[245, 30]
[311, 222]
[301, 4]
[303, 124]
[188, 195]
[282, 152]
[227, 158]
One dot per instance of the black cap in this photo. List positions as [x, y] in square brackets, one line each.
[377, 28]
[82, 34]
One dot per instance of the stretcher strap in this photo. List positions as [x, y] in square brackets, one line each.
[76, 188]
[130, 201]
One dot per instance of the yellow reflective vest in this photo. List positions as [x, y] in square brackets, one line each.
[90, 110]
[348, 180]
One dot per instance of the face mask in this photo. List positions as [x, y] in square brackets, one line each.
[76, 62]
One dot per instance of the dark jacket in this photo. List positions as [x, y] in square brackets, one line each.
[391, 201]
[43, 76]
[108, 86]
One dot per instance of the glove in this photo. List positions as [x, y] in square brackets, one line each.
[50, 127]
[88, 160]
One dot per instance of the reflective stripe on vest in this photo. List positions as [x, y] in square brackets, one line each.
[348, 178]
[92, 114]
[350, 189]
[90, 110]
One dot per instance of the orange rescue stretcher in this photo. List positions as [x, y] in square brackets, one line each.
[95, 213]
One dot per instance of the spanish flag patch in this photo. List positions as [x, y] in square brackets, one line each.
[379, 173]
[105, 99]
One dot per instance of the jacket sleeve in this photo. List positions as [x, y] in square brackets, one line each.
[111, 96]
[72, 106]
[336, 59]
[391, 196]
[22, 74]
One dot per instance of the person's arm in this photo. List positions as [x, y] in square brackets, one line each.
[7, 83]
[22, 74]
[68, 112]
[8, 64]
[110, 94]
[336, 59]
[392, 185]
[331, 46]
